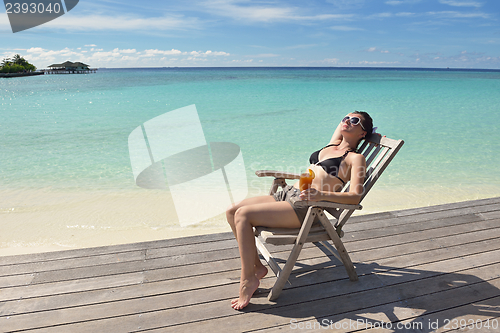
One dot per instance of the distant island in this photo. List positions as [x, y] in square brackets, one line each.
[17, 66]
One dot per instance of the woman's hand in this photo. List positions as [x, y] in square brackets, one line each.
[311, 194]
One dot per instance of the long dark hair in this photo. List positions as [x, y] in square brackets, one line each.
[367, 121]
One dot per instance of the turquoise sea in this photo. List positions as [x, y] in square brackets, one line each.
[65, 173]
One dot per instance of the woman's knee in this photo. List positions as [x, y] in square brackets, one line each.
[230, 212]
[241, 215]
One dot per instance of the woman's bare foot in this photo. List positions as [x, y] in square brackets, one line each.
[260, 271]
[247, 288]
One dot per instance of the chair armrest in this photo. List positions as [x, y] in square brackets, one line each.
[277, 174]
[326, 204]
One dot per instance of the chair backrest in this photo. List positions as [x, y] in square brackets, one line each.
[379, 152]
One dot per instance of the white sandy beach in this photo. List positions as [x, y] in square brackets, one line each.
[48, 220]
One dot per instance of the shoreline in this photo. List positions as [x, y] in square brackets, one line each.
[9, 75]
[61, 220]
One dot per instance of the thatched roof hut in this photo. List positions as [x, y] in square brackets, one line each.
[71, 66]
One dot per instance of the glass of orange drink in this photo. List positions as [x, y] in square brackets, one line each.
[306, 179]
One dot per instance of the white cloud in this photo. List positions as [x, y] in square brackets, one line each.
[4, 23]
[43, 58]
[463, 58]
[345, 28]
[104, 56]
[365, 62]
[120, 57]
[217, 53]
[301, 46]
[122, 23]
[242, 61]
[454, 14]
[35, 50]
[263, 55]
[374, 49]
[244, 10]
[347, 4]
[381, 15]
[405, 14]
[152, 53]
[458, 3]
[207, 53]
[324, 17]
[238, 10]
[126, 50]
[156, 52]
[331, 61]
[401, 2]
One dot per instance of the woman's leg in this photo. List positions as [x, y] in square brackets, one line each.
[260, 269]
[246, 202]
[270, 214]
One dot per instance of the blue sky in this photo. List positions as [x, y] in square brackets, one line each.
[354, 33]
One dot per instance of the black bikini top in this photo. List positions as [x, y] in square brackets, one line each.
[330, 165]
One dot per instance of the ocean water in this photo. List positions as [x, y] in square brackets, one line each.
[65, 173]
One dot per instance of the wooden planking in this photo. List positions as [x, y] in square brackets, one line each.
[97, 251]
[168, 285]
[115, 257]
[369, 284]
[168, 245]
[455, 209]
[430, 289]
[376, 231]
[185, 270]
[348, 301]
[140, 266]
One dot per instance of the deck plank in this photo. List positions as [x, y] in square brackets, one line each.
[233, 264]
[418, 265]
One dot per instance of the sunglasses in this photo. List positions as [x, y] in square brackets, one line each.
[354, 121]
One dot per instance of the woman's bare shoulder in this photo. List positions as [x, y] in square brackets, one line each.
[356, 157]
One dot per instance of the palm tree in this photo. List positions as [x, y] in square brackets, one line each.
[6, 62]
[18, 60]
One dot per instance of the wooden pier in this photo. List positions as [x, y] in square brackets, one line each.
[69, 71]
[430, 269]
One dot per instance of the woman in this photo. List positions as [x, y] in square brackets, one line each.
[333, 165]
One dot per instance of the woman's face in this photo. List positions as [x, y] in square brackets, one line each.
[353, 126]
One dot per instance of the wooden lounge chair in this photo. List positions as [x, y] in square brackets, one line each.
[378, 151]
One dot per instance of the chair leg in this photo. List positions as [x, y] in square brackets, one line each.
[292, 259]
[331, 249]
[267, 257]
[346, 260]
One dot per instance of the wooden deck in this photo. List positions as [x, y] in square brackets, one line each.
[419, 270]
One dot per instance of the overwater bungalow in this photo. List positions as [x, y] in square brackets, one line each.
[69, 67]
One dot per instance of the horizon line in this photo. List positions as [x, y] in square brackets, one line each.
[313, 67]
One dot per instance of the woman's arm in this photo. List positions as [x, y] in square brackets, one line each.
[353, 197]
[337, 136]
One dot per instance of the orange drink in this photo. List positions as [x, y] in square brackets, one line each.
[306, 179]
